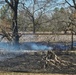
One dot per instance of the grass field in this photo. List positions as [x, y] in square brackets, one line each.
[14, 73]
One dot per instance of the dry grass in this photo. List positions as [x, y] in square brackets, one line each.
[14, 73]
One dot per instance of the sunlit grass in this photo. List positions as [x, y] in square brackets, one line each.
[14, 73]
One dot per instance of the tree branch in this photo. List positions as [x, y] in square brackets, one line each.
[9, 4]
[68, 3]
[74, 4]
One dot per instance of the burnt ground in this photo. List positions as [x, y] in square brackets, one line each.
[32, 62]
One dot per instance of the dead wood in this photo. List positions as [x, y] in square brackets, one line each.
[5, 34]
[52, 59]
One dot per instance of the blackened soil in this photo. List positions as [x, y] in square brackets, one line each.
[32, 62]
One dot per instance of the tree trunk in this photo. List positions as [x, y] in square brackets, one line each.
[34, 28]
[15, 34]
[72, 39]
[15, 29]
[14, 6]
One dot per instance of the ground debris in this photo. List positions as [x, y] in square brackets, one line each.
[41, 61]
[51, 59]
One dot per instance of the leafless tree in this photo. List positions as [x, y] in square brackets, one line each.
[72, 18]
[13, 4]
[36, 9]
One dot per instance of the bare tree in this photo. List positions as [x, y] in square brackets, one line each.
[36, 9]
[13, 4]
[72, 18]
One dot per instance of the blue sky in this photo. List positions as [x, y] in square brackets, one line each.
[49, 8]
[29, 1]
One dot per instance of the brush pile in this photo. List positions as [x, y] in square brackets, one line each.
[52, 60]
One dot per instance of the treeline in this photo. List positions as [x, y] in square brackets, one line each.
[56, 20]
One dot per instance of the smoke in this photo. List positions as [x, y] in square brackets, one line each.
[23, 46]
[9, 50]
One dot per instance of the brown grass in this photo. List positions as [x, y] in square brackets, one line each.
[14, 73]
